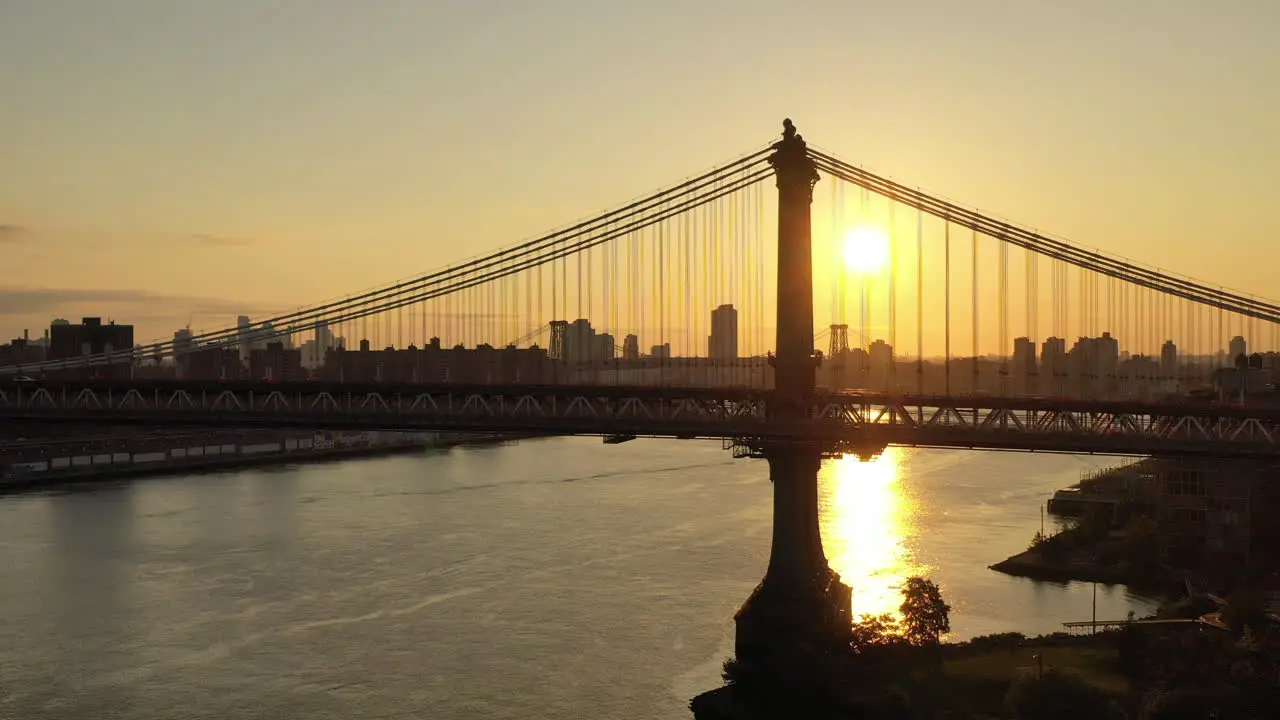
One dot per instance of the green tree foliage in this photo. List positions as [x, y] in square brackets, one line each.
[926, 617]
[875, 631]
[1057, 696]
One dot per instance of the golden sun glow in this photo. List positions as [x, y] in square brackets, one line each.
[866, 516]
[866, 249]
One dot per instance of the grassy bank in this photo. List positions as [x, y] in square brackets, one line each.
[974, 679]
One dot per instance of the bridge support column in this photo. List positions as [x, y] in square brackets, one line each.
[801, 606]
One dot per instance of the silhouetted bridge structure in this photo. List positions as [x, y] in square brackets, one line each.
[856, 422]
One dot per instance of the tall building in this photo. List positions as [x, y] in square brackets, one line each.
[325, 340]
[580, 342]
[1236, 348]
[262, 336]
[285, 338]
[243, 339]
[92, 337]
[605, 351]
[1024, 357]
[879, 365]
[631, 347]
[1022, 368]
[1169, 359]
[182, 342]
[1093, 364]
[312, 358]
[1053, 365]
[723, 342]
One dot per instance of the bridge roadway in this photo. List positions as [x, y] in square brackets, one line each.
[851, 420]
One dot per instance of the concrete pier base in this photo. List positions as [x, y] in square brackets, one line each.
[801, 606]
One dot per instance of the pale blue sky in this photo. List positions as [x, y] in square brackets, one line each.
[269, 153]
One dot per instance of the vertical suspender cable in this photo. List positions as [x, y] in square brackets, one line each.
[973, 287]
[920, 306]
[893, 299]
[947, 312]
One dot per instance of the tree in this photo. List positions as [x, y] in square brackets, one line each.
[875, 631]
[926, 617]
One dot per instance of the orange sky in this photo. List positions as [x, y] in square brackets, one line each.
[168, 161]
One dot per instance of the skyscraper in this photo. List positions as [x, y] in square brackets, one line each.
[631, 347]
[723, 342]
[182, 342]
[580, 342]
[1053, 365]
[1169, 359]
[243, 338]
[1237, 348]
[605, 350]
[1023, 367]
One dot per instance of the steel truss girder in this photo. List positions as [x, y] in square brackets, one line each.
[838, 421]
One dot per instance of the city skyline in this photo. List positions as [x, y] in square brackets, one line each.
[581, 340]
[141, 150]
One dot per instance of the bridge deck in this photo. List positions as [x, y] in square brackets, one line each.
[852, 419]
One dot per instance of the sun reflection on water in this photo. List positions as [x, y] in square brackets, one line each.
[867, 517]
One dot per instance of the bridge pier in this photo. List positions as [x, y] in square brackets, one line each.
[801, 606]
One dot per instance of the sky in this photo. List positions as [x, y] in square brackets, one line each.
[164, 161]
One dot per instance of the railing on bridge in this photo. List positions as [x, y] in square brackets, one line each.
[853, 421]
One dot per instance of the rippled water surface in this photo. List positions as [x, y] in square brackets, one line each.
[556, 578]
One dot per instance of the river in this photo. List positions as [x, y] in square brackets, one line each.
[557, 578]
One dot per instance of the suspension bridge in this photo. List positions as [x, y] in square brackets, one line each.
[970, 332]
[673, 316]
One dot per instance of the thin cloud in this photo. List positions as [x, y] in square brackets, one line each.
[222, 240]
[12, 233]
[55, 301]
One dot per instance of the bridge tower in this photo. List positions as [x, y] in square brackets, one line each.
[801, 604]
[556, 347]
[838, 355]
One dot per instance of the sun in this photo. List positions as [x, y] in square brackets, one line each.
[866, 248]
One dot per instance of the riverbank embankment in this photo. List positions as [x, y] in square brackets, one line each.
[32, 465]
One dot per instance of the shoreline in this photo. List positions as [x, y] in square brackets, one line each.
[213, 464]
[1031, 565]
[1074, 555]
